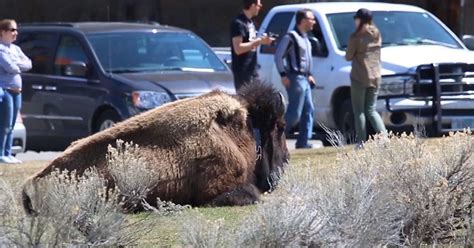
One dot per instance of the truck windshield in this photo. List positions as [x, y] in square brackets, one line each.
[397, 28]
[123, 52]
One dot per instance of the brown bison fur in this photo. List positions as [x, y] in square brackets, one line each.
[203, 149]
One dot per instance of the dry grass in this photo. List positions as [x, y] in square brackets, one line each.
[16, 174]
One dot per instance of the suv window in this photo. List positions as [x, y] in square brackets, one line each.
[148, 51]
[69, 50]
[278, 25]
[39, 47]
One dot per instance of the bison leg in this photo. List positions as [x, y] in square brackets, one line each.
[242, 195]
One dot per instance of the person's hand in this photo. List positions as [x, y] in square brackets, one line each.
[266, 40]
[312, 81]
[285, 81]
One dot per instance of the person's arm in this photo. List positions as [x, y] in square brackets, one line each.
[310, 47]
[351, 49]
[280, 55]
[241, 47]
[379, 40]
[237, 30]
[311, 79]
[24, 63]
[7, 64]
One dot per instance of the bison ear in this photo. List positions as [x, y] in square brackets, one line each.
[282, 105]
[236, 118]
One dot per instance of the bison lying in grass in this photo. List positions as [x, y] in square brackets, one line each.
[216, 149]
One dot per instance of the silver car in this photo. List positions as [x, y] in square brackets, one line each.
[19, 136]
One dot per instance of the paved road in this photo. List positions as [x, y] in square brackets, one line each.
[29, 155]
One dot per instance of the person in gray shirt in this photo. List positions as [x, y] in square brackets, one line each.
[12, 62]
[293, 60]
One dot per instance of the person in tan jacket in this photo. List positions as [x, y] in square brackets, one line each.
[364, 52]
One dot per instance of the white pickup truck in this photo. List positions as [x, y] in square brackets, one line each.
[427, 71]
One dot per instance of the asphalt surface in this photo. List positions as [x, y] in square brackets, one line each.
[30, 155]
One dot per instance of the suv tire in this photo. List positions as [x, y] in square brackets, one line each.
[106, 120]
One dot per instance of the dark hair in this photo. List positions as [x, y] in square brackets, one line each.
[6, 24]
[301, 14]
[248, 3]
[365, 17]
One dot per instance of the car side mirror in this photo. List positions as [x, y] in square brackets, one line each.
[228, 62]
[76, 69]
[468, 40]
[317, 48]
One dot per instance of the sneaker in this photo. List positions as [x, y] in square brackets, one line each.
[15, 160]
[6, 160]
[307, 146]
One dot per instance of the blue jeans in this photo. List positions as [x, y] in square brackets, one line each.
[10, 105]
[300, 108]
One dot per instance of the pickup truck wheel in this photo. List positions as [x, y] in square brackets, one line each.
[346, 121]
[106, 120]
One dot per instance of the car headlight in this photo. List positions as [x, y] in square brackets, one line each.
[149, 99]
[396, 85]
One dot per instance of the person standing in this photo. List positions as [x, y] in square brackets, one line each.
[12, 62]
[364, 52]
[244, 43]
[293, 59]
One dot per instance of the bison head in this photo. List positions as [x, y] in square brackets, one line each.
[266, 110]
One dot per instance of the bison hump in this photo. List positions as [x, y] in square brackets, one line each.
[177, 121]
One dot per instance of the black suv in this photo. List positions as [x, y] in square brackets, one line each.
[88, 76]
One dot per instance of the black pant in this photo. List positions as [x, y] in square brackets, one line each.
[242, 78]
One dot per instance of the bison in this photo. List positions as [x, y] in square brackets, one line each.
[216, 149]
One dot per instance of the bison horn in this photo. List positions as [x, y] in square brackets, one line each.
[282, 107]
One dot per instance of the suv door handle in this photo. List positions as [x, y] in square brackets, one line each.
[37, 87]
[50, 88]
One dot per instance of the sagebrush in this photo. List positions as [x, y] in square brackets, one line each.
[81, 210]
[397, 191]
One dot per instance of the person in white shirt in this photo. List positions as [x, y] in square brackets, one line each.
[12, 62]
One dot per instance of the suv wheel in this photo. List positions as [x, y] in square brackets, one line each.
[346, 121]
[106, 120]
